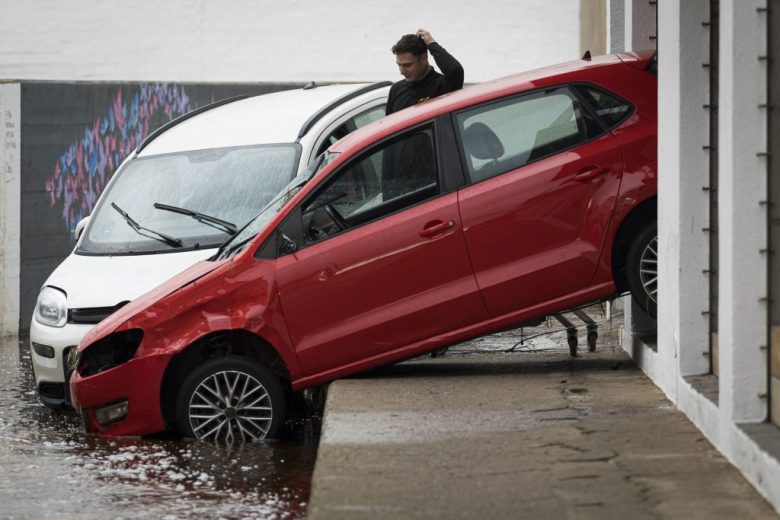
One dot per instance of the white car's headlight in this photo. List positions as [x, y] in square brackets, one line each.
[51, 308]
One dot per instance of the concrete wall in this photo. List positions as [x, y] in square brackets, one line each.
[299, 40]
[640, 24]
[10, 189]
[616, 25]
[631, 25]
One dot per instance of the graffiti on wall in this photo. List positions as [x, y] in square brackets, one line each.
[87, 164]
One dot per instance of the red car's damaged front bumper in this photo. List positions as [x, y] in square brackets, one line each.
[138, 382]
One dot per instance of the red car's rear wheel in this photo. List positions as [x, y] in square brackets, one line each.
[642, 268]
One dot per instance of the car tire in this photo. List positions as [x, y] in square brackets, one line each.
[642, 268]
[230, 400]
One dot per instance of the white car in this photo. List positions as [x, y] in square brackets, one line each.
[186, 189]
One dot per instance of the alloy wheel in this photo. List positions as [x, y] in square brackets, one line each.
[230, 407]
[648, 269]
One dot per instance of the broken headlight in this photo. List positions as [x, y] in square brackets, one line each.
[111, 351]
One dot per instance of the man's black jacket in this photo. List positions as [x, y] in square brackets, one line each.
[404, 94]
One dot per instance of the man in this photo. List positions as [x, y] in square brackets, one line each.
[409, 165]
[420, 81]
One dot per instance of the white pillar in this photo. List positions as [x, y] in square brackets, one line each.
[743, 219]
[10, 211]
[683, 210]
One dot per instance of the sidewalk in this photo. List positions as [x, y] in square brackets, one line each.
[480, 433]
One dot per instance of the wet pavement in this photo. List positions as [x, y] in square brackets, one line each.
[50, 468]
[511, 426]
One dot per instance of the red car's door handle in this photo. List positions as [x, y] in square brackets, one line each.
[435, 227]
[590, 172]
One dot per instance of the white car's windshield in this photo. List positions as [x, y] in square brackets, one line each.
[194, 199]
[244, 236]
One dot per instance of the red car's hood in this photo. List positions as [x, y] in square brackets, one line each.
[144, 301]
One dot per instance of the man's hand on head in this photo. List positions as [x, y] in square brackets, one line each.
[426, 36]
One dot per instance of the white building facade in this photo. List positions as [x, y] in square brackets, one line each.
[717, 349]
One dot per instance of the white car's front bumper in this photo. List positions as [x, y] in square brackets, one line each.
[50, 372]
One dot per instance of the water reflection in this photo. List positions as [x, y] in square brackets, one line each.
[50, 468]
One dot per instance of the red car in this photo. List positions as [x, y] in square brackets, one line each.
[470, 213]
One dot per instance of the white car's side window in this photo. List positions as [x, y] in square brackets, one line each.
[372, 115]
[350, 125]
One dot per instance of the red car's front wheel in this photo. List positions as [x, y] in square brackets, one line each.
[230, 400]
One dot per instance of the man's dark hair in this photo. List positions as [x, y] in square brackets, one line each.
[410, 43]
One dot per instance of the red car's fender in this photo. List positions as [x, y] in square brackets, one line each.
[243, 296]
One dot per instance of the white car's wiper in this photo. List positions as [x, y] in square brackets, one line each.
[218, 223]
[238, 241]
[156, 235]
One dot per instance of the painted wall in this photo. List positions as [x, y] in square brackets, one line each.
[10, 183]
[261, 40]
[73, 136]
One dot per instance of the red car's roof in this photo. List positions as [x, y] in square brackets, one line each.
[482, 92]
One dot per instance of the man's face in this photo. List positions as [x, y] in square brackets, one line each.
[413, 68]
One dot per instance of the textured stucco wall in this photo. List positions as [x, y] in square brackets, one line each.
[616, 26]
[683, 213]
[743, 219]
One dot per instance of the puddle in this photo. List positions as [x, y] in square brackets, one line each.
[50, 468]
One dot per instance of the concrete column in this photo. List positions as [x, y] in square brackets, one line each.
[593, 18]
[10, 211]
[683, 210]
[616, 26]
[743, 219]
[640, 25]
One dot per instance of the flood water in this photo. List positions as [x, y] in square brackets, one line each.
[50, 468]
